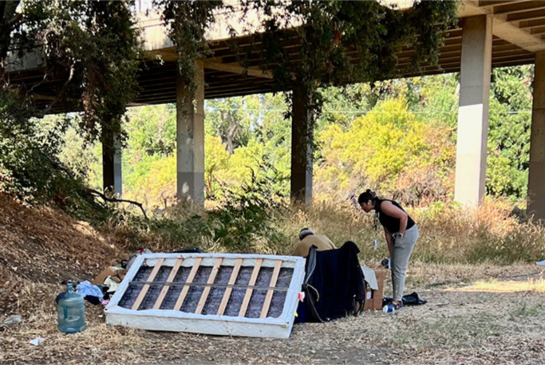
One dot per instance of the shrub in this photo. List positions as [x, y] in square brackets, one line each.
[30, 167]
[245, 220]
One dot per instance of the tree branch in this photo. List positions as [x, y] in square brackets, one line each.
[115, 200]
[10, 25]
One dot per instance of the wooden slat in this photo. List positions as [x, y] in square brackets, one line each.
[145, 289]
[171, 277]
[206, 290]
[249, 291]
[228, 290]
[189, 280]
[268, 298]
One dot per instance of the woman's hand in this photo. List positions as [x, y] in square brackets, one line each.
[388, 236]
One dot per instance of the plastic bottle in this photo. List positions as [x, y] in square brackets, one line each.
[71, 311]
[388, 309]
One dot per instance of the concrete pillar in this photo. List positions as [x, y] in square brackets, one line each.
[302, 139]
[473, 111]
[536, 179]
[111, 166]
[190, 138]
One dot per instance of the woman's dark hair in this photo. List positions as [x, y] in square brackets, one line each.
[365, 197]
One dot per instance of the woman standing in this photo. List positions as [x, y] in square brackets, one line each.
[401, 235]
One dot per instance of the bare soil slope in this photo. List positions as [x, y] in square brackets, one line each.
[42, 245]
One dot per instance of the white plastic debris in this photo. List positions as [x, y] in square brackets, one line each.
[37, 341]
[11, 321]
[541, 263]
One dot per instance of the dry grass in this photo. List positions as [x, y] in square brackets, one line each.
[479, 314]
[448, 233]
[41, 245]
[456, 326]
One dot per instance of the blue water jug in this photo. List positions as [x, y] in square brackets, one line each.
[71, 311]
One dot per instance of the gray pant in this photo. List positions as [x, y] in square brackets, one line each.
[401, 253]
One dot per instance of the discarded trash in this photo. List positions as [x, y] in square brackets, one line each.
[112, 271]
[409, 299]
[541, 263]
[37, 341]
[71, 311]
[133, 257]
[190, 250]
[375, 244]
[12, 321]
[90, 292]
[223, 307]
[413, 299]
[86, 288]
[113, 283]
[389, 309]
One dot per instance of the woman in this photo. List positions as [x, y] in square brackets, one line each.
[401, 235]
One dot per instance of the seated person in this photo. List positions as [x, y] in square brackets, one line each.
[308, 239]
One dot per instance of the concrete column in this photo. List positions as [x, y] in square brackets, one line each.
[473, 111]
[536, 179]
[190, 138]
[111, 166]
[302, 139]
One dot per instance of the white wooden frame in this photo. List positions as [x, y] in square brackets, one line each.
[178, 321]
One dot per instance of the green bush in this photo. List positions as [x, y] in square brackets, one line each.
[30, 167]
[245, 220]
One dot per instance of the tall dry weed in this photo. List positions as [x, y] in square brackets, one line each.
[449, 233]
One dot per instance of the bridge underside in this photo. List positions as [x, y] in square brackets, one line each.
[224, 77]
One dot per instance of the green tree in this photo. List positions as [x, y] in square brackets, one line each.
[388, 150]
[232, 120]
[509, 131]
[69, 38]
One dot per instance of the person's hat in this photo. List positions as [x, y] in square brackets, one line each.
[305, 232]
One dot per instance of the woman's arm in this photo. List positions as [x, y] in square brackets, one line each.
[389, 209]
[388, 236]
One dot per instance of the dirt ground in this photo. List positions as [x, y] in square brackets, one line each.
[474, 315]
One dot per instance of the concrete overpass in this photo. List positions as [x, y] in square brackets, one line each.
[490, 34]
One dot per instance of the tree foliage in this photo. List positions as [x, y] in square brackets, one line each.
[509, 131]
[187, 22]
[70, 37]
[89, 54]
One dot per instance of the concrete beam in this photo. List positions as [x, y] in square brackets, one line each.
[302, 141]
[502, 28]
[190, 138]
[536, 179]
[236, 69]
[473, 110]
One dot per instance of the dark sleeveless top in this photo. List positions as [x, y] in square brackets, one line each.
[391, 223]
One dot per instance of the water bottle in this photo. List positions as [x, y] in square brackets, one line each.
[389, 309]
[71, 311]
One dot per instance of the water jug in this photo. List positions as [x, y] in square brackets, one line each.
[71, 311]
